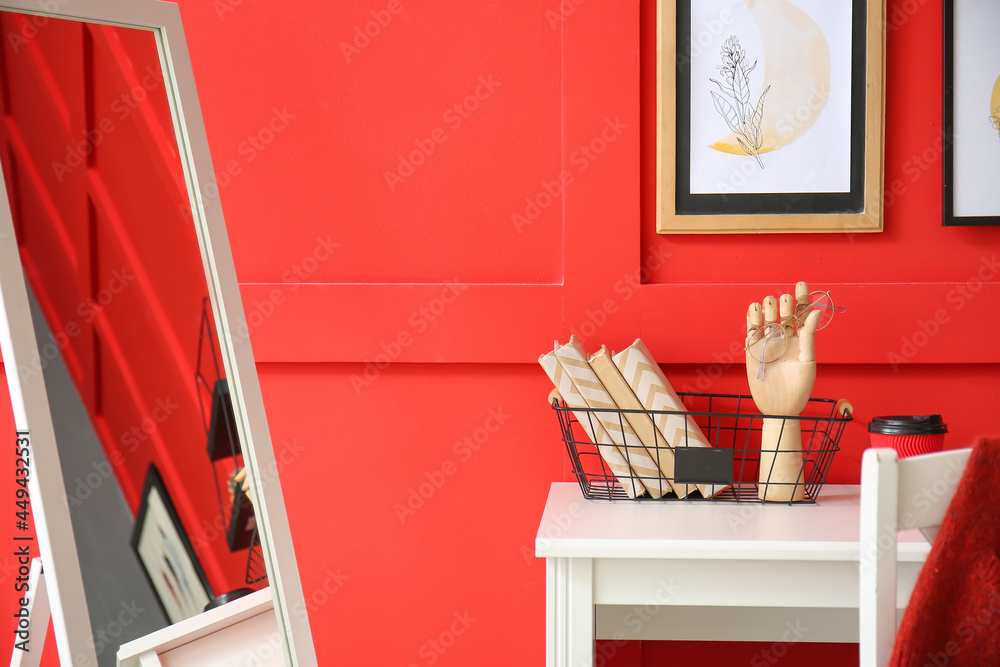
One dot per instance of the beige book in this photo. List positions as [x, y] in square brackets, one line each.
[640, 422]
[653, 391]
[574, 362]
[592, 427]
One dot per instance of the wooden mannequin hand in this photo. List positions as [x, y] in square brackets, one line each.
[784, 389]
[788, 381]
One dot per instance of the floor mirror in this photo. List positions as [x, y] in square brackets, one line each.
[153, 480]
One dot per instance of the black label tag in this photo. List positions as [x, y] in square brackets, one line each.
[703, 465]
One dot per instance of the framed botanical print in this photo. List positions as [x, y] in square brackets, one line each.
[971, 113]
[770, 116]
[166, 553]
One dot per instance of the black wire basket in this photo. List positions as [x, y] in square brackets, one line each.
[256, 569]
[729, 470]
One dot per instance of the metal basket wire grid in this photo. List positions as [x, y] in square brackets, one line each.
[733, 427]
[256, 568]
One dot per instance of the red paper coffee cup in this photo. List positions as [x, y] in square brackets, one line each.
[909, 435]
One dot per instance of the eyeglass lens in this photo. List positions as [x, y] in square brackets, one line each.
[766, 346]
[822, 302]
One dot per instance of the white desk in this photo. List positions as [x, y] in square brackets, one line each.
[704, 571]
[241, 633]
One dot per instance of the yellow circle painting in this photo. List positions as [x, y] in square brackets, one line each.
[796, 84]
[995, 106]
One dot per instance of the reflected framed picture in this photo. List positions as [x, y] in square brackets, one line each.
[166, 554]
[971, 113]
[770, 116]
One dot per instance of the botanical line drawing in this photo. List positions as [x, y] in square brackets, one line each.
[995, 120]
[734, 105]
[796, 59]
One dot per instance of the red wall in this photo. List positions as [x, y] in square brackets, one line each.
[375, 370]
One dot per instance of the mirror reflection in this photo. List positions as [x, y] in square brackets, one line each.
[128, 345]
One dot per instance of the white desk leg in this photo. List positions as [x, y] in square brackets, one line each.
[569, 612]
[150, 660]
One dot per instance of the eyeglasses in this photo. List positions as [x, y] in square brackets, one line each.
[768, 343]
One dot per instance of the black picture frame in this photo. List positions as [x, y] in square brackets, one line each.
[681, 211]
[774, 203]
[177, 578]
[949, 148]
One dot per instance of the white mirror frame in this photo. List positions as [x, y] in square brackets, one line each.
[49, 503]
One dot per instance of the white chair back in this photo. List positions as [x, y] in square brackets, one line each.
[896, 494]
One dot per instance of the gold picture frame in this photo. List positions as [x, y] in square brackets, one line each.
[728, 214]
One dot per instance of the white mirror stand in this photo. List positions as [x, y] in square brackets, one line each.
[62, 583]
[248, 623]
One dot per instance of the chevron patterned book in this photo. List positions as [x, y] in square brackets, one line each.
[574, 362]
[640, 422]
[592, 427]
[653, 391]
